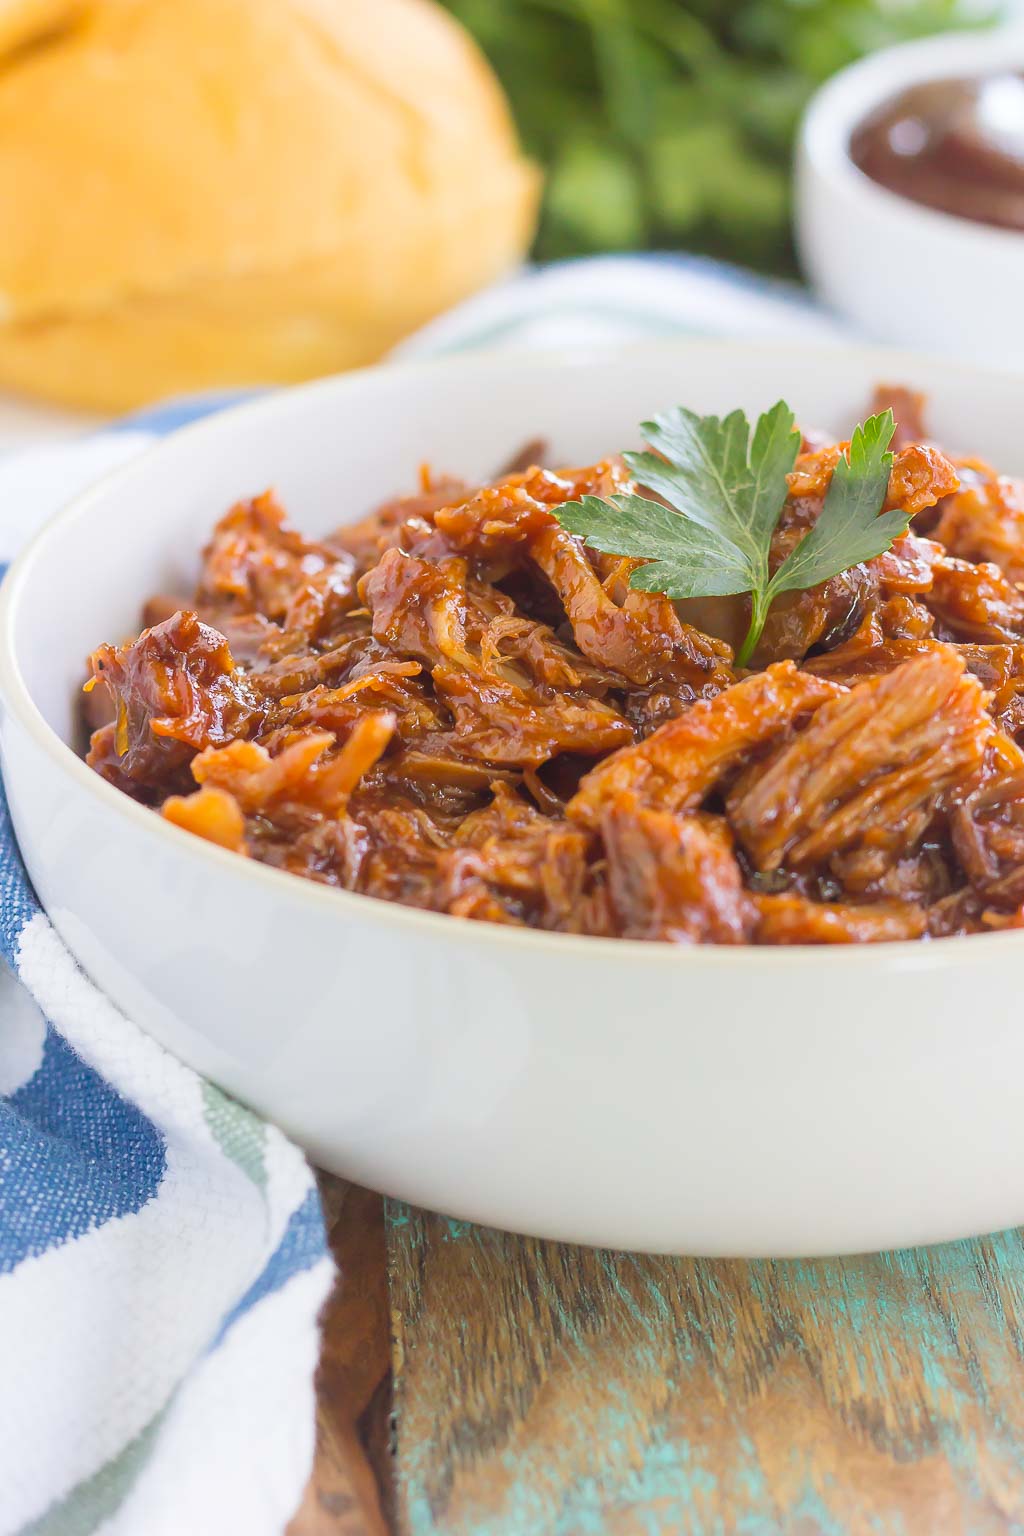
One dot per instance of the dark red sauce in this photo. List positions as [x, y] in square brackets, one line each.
[954, 145]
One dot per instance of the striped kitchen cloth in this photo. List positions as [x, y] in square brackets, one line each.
[162, 1254]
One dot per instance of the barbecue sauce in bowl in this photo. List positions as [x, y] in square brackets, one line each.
[954, 145]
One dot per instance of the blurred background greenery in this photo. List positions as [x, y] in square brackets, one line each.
[671, 122]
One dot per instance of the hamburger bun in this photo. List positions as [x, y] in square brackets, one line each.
[205, 193]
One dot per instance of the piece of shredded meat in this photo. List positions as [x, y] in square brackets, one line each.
[177, 691]
[675, 877]
[684, 760]
[870, 770]
[453, 704]
[792, 919]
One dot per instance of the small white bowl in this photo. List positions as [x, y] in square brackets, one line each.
[751, 1101]
[899, 271]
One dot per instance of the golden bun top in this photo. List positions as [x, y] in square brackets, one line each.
[26, 21]
[148, 146]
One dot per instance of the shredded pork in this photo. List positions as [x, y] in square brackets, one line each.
[452, 704]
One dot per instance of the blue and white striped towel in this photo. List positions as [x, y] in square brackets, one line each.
[162, 1255]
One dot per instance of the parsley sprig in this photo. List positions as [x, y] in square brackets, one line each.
[726, 491]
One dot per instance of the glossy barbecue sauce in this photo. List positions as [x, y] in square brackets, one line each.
[954, 145]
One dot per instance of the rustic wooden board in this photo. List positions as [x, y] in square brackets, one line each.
[543, 1390]
[349, 1492]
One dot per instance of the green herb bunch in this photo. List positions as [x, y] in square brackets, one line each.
[671, 122]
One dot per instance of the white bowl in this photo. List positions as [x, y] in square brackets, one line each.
[638, 1095]
[899, 271]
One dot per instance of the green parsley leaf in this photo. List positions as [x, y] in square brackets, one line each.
[726, 492]
[849, 528]
[686, 560]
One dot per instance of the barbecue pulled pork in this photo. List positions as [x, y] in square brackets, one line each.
[454, 705]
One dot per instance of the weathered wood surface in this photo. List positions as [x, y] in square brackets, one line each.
[543, 1390]
[552, 1391]
[349, 1490]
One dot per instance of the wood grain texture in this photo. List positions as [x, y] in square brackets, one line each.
[349, 1490]
[544, 1390]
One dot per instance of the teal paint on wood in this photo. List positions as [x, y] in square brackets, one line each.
[554, 1391]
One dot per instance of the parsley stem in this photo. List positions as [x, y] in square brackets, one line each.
[760, 602]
